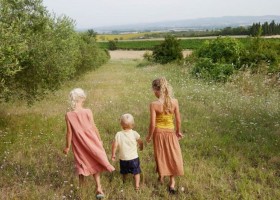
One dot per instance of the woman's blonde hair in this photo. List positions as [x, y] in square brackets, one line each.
[75, 95]
[127, 121]
[161, 84]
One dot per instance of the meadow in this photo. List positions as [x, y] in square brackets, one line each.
[230, 149]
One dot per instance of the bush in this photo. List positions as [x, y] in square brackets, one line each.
[169, 50]
[112, 45]
[148, 56]
[262, 55]
[222, 50]
[205, 68]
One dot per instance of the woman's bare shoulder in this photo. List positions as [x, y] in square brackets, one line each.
[174, 101]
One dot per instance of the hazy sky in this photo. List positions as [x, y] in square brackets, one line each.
[90, 13]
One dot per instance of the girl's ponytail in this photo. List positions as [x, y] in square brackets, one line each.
[166, 92]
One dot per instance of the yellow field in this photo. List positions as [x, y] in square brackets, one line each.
[127, 36]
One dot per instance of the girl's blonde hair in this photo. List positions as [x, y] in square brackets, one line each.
[161, 84]
[127, 121]
[75, 95]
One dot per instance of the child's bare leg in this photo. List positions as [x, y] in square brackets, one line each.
[137, 180]
[124, 177]
[98, 184]
[172, 182]
[160, 179]
[81, 180]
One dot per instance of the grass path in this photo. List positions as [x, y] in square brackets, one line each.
[231, 148]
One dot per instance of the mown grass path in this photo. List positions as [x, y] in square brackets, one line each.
[231, 148]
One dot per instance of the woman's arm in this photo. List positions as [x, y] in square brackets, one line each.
[93, 125]
[178, 120]
[68, 136]
[152, 123]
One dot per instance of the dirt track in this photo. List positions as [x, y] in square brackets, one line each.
[123, 54]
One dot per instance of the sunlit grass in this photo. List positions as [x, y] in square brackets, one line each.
[230, 149]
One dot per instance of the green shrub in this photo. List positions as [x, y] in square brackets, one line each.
[205, 68]
[169, 50]
[112, 45]
[148, 56]
[222, 50]
[262, 55]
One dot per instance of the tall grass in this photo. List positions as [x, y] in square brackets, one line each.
[231, 145]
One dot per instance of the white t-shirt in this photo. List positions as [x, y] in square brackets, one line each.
[127, 144]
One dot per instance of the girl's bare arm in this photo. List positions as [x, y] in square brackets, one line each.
[178, 120]
[68, 136]
[152, 123]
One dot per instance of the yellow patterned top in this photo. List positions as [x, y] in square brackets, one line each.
[164, 121]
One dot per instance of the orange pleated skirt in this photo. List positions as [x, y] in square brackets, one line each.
[167, 151]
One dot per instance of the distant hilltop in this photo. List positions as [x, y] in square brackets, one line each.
[189, 24]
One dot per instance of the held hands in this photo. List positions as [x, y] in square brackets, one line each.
[148, 139]
[113, 158]
[66, 150]
[179, 135]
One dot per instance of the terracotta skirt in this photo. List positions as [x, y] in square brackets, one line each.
[167, 151]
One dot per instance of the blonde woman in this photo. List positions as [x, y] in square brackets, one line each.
[165, 135]
[82, 133]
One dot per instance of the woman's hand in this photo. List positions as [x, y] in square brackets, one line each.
[179, 135]
[66, 150]
[148, 139]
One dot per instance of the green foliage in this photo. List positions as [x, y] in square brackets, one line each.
[112, 45]
[169, 50]
[217, 59]
[39, 51]
[205, 68]
[148, 56]
[260, 53]
[222, 50]
[91, 56]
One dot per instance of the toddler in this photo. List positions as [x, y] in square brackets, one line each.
[127, 141]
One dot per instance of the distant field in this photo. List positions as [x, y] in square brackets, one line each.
[128, 36]
[149, 44]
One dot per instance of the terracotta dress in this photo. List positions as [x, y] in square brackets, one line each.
[90, 156]
[167, 149]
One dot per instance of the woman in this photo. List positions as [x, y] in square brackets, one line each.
[165, 135]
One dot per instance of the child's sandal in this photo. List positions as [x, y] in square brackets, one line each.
[100, 195]
[171, 190]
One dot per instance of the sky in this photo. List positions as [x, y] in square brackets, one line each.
[91, 14]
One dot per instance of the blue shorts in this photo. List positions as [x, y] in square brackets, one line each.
[130, 166]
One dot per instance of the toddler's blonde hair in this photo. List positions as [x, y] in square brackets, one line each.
[127, 121]
[75, 95]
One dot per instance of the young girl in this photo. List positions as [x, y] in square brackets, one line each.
[127, 141]
[89, 154]
[167, 150]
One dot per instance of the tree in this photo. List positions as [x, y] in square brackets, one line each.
[169, 50]
[39, 51]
